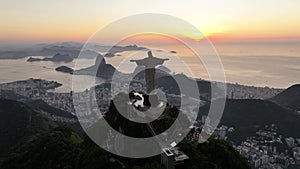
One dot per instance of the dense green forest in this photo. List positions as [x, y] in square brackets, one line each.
[30, 140]
[63, 148]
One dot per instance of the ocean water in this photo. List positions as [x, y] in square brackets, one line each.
[19, 69]
[258, 64]
[261, 64]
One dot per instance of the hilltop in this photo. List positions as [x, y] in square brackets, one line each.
[289, 98]
[247, 116]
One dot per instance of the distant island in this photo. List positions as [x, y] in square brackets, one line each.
[64, 69]
[100, 69]
[56, 58]
[71, 50]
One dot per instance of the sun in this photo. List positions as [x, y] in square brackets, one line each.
[205, 31]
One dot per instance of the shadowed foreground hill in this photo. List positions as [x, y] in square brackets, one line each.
[56, 149]
[289, 98]
[213, 154]
[18, 122]
[247, 116]
[62, 148]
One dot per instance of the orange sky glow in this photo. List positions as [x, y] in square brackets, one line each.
[226, 21]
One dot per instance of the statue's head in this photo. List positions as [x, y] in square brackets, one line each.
[150, 54]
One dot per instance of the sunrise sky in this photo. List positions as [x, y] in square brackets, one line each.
[72, 20]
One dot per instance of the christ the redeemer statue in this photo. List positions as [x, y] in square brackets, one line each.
[150, 63]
